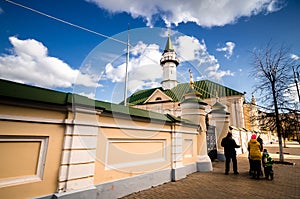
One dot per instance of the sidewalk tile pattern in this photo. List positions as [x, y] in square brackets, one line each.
[286, 183]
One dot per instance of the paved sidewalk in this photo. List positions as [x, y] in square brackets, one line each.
[286, 183]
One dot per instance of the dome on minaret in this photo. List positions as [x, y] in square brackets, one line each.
[169, 54]
[169, 46]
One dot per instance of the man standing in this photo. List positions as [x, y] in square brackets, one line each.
[229, 145]
[261, 142]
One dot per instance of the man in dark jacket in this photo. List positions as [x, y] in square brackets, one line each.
[261, 142]
[229, 145]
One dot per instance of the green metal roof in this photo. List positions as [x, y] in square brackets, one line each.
[218, 105]
[207, 88]
[25, 92]
[120, 109]
[16, 91]
[141, 96]
[169, 46]
[220, 111]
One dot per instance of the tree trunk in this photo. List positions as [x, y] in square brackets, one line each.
[278, 127]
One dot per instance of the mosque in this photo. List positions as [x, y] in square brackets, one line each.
[63, 145]
[224, 107]
[167, 98]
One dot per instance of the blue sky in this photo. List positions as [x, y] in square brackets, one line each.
[214, 40]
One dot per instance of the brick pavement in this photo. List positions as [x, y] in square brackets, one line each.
[215, 184]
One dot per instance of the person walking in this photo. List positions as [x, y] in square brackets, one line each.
[229, 145]
[254, 149]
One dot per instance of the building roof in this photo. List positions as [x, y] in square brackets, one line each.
[12, 91]
[19, 91]
[194, 100]
[207, 88]
[218, 105]
[169, 46]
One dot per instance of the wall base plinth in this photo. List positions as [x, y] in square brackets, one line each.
[204, 163]
[178, 173]
[90, 192]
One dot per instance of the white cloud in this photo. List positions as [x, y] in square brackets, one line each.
[143, 68]
[89, 95]
[294, 57]
[214, 72]
[191, 49]
[275, 5]
[30, 63]
[228, 49]
[115, 74]
[203, 13]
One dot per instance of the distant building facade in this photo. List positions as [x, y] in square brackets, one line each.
[251, 114]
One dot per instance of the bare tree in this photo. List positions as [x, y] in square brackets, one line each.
[266, 120]
[272, 69]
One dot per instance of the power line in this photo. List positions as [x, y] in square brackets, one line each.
[90, 31]
[74, 25]
[126, 71]
[66, 22]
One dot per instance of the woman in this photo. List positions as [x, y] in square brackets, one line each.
[254, 149]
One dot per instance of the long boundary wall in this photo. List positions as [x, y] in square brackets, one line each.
[90, 153]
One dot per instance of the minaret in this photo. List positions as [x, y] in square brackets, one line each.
[169, 62]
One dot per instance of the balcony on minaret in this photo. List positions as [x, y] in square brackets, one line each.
[169, 57]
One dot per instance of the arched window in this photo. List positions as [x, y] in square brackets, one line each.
[158, 98]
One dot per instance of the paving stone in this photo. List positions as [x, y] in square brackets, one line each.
[215, 184]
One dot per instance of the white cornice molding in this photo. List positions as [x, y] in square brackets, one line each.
[30, 119]
[86, 123]
[78, 109]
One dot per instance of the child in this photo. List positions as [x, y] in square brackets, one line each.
[267, 162]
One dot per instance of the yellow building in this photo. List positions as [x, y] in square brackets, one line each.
[62, 145]
[251, 115]
[56, 144]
